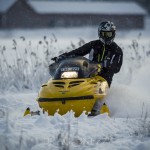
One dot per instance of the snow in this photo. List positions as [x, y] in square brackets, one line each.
[81, 7]
[128, 98]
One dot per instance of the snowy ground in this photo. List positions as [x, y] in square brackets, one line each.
[128, 99]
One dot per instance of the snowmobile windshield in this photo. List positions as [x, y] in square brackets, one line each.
[78, 67]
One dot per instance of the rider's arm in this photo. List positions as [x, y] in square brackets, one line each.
[81, 51]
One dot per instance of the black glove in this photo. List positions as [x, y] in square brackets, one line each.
[59, 58]
[54, 59]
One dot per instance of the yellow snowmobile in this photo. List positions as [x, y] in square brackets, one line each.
[74, 86]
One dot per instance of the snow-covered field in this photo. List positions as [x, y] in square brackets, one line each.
[24, 59]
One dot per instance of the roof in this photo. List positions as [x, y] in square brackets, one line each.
[6, 4]
[82, 7]
[78, 7]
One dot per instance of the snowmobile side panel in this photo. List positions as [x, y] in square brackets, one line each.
[78, 106]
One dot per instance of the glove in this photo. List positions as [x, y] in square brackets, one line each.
[54, 59]
[59, 58]
[99, 67]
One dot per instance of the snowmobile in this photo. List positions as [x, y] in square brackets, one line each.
[74, 85]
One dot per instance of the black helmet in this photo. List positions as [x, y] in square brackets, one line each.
[106, 32]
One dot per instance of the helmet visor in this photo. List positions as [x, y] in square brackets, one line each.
[107, 34]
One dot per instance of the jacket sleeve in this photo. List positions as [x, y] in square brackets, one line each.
[116, 61]
[81, 51]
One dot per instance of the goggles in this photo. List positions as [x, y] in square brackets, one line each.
[107, 34]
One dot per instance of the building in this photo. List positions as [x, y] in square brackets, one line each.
[45, 14]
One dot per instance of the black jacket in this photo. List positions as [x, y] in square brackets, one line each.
[110, 55]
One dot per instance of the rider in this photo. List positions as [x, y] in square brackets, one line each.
[103, 51]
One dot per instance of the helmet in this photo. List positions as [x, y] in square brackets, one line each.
[106, 32]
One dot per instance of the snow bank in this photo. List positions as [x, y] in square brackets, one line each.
[68, 132]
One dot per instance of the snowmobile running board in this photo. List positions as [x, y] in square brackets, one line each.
[32, 113]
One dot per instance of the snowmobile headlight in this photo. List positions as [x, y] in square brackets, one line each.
[70, 74]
